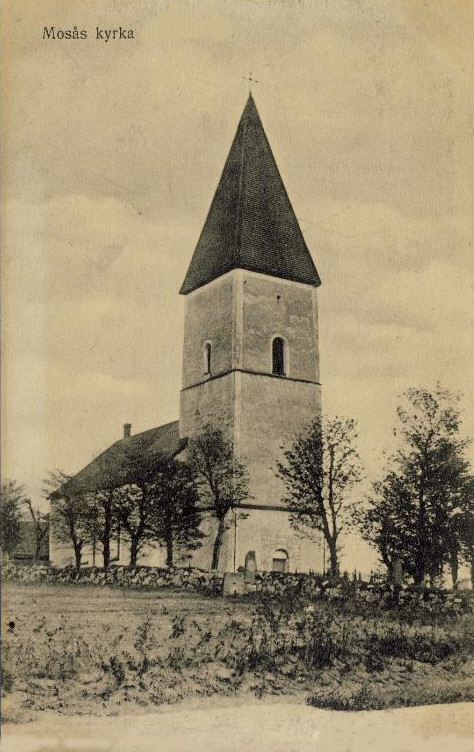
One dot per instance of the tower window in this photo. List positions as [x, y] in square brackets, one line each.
[207, 357]
[278, 356]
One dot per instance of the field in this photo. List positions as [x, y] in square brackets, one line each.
[84, 649]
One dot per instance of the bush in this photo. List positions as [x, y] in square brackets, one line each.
[6, 680]
[369, 697]
[429, 646]
[347, 653]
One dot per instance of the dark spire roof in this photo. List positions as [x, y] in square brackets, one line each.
[251, 223]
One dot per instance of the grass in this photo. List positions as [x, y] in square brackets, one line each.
[89, 649]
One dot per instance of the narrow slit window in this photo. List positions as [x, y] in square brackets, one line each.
[278, 356]
[207, 357]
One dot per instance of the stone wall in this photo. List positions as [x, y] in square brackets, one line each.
[309, 587]
[315, 587]
[147, 578]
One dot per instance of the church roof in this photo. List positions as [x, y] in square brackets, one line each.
[251, 223]
[111, 469]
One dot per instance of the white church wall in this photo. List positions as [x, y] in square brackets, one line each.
[267, 532]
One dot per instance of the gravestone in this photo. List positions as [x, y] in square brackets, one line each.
[250, 568]
[234, 583]
[397, 572]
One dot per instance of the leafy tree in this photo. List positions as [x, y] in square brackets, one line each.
[319, 471]
[101, 521]
[413, 513]
[176, 518]
[159, 507]
[69, 514]
[456, 518]
[40, 522]
[378, 520]
[222, 479]
[465, 526]
[132, 510]
[85, 517]
[12, 497]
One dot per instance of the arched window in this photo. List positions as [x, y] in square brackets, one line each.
[280, 560]
[278, 356]
[207, 357]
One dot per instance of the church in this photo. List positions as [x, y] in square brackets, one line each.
[250, 362]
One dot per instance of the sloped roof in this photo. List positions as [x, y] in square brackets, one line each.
[111, 469]
[251, 223]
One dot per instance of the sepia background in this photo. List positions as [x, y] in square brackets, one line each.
[111, 155]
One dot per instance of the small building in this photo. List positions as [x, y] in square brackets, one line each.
[250, 359]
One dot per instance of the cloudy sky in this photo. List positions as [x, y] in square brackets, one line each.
[112, 152]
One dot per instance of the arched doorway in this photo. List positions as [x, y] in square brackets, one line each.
[280, 560]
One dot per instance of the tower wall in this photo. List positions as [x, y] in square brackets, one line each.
[212, 401]
[278, 307]
[239, 314]
[209, 397]
[272, 412]
[208, 318]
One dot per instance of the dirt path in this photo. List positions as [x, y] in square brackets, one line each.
[265, 726]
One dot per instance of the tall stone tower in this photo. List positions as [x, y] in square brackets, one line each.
[250, 358]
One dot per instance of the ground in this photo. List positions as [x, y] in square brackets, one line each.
[267, 726]
[92, 651]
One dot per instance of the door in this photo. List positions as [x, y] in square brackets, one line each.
[280, 560]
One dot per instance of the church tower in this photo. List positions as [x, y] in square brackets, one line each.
[250, 357]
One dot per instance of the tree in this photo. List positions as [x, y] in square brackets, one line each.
[69, 514]
[159, 507]
[176, 517]
[222, 479]
[412, 514]
[101, 520]
[465, 526]
[132, 510]
[12, 497]
[378, 519]
[455, 497]
[319, 471]
[40, 522]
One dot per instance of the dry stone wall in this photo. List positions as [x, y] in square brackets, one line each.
[310, 587]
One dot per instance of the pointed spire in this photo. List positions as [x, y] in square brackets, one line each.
[251, 223]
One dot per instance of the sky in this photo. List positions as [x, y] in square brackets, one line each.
[111, 155]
